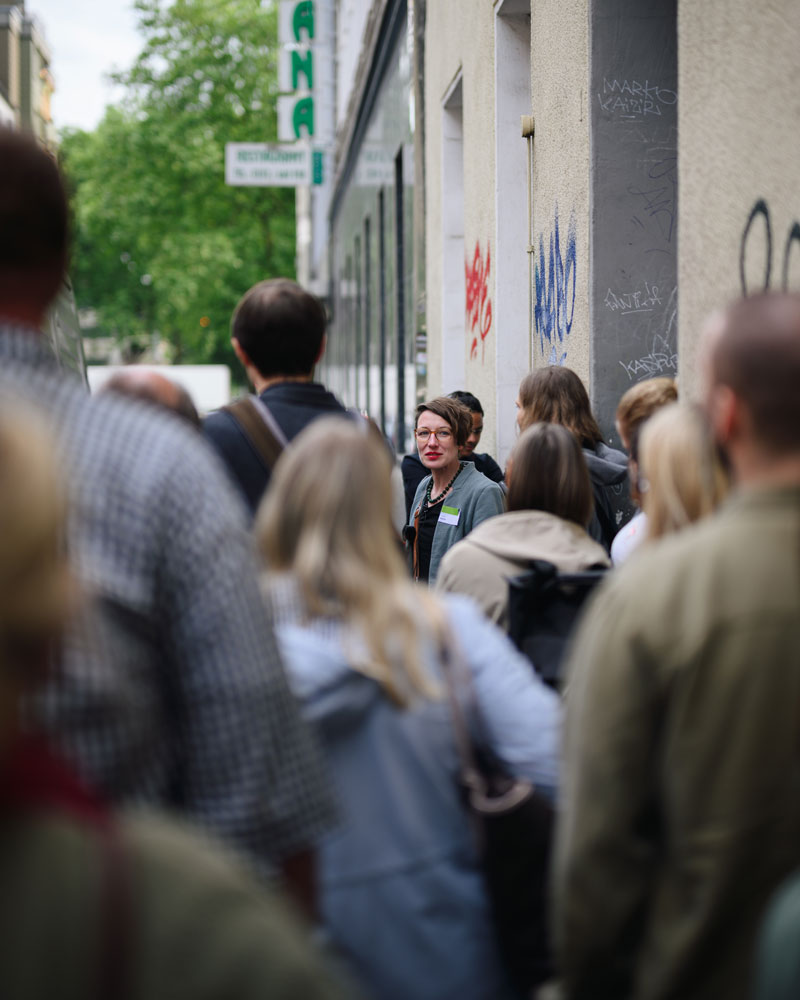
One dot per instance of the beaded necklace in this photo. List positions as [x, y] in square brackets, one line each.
[427, 501]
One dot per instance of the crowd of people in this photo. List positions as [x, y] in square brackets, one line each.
[251, 668]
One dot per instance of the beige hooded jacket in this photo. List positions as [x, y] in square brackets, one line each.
[504, 546]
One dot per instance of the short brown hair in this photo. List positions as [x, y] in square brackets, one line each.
[758, 357]
[555, 395]
[280, 326]
[641, 401]
[549, 472]
[34, 220]
[454, 414]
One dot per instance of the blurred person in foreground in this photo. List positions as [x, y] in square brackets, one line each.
[170, 690]
[778, 958]
[152, 387]
[556, 395]
[413, 470]
[635, 407]
[549, 508]
[680, 470]
[402, 892]
[455, 497]
[680, 811]
[96, 903]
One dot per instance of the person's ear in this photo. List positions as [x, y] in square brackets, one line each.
[240, 353]
[322, 345]
[725, 413]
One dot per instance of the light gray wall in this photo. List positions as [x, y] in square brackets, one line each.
[739, 151]
[497, 344]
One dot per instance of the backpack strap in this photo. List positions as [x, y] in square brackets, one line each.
[260, 428]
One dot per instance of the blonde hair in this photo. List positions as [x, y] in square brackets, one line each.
[36, 592]
[684, 474]
[641, 401]
[326, 519]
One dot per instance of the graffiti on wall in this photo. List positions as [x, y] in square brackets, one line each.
[555, 284]
[478, 303]
[756, 252]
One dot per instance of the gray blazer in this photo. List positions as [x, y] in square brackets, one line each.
[476, 498]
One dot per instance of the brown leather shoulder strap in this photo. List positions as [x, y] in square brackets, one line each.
[265, 442]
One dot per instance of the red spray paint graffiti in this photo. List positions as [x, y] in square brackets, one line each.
[478, 303]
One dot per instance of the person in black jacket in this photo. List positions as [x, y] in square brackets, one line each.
[556, 395]
[278, 334]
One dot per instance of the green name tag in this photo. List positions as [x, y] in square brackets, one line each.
[450, 515]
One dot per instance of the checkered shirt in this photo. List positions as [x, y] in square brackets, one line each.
[171, 690]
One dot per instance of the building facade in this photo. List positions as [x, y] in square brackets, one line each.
[26, 83]
[574, 182]
[373, 342]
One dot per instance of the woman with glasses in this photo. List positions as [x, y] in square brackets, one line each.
[455, 497]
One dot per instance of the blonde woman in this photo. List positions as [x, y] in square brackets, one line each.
[635, 407]
[401, 890]
[682, 477]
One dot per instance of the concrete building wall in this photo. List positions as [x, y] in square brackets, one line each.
[739, 157]
[10, 31]
[561, 200]
[459, 179]
[371, 353]
[488, 340]
[351, 22]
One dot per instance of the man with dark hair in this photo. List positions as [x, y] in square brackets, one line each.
[414, 471]
[278, 334]
[680, 812]
[483, 460]
[170, 690]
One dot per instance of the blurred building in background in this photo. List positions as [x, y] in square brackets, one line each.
[375, 257]
[26, 83]
[572, 182]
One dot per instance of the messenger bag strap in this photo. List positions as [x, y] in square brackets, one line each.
[260, 428]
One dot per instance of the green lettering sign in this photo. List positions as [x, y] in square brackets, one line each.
[303, 19]
[316, 166]
[303, 64]
[303, 116]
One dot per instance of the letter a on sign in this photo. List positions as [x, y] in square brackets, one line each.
[303, 20]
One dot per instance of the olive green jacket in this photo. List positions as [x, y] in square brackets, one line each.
[197, 926]
[680, 808]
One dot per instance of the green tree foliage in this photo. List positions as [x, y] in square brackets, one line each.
[161, 243]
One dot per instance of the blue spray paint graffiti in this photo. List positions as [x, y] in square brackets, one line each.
[554, 308]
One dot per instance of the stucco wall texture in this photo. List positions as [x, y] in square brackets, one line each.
[738, 157]
[560, 80]
[460, 39]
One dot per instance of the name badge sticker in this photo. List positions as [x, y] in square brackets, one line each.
[449, 515]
